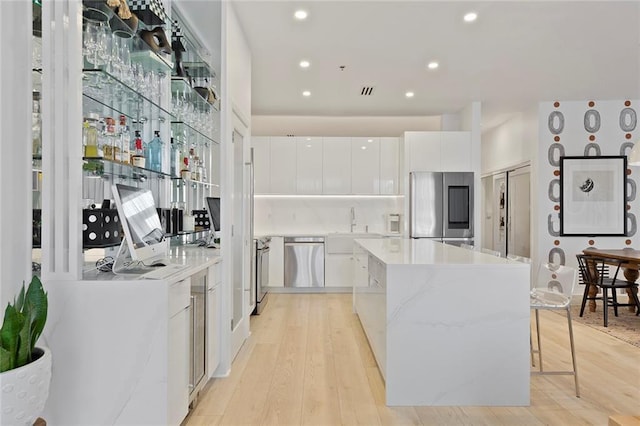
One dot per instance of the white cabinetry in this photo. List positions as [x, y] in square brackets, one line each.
[338, 270]
[178, 356]
[437, 151]
[309, 165]
[455, 151]
[276, 262]
[261, 164]
[336, 165]
[389, 154]
[365, 166]
[213, 318]
[283, 165]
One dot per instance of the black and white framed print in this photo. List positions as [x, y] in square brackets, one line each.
[593, 196]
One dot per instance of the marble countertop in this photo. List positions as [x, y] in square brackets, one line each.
[194, 257]
[410, 251]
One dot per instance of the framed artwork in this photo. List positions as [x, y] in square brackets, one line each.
[593, 194]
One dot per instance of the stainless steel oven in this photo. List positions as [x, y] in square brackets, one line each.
[261, 273]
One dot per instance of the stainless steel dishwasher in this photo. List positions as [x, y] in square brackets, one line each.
[304, 261]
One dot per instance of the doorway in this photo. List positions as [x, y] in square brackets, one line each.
[507, 211]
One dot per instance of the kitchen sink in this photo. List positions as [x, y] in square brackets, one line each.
[342, 243]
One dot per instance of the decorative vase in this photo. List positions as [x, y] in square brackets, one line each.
[24, 390]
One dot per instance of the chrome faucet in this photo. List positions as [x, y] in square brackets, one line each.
[353, 218]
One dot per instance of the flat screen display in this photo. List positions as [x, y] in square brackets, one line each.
[213, 206]
[140, 215]
[458, 207]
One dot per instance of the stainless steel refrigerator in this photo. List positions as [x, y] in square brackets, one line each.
[441, 206]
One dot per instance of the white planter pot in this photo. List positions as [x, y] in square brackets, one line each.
[24, 391]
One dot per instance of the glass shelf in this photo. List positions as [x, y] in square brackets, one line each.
[199, 70]
[100, 167]
[108, 91]
[185, 132]
[180, 86]
[178, 181]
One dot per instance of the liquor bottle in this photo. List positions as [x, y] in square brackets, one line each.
[175, 159]
[125, 136]
[155, 152]
[138, 158]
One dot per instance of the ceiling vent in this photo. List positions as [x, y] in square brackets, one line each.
[291, 136]
[366, 91]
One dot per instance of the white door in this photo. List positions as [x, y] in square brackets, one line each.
[519, 212]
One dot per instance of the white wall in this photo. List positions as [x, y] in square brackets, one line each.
[278, 125]
[15, 133]
[280, 215]
[235, 114]
[509, 144]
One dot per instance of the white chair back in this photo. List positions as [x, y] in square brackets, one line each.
[519, 258]
[557, 278]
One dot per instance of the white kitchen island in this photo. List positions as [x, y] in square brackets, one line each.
[448, 326]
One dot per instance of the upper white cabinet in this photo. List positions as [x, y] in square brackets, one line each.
[327, 165]
[261, 164]
[283, 165]
[437, 151]
[389, 174]
[336, 165]
[455, 151]
[365, 165]
[309, 165]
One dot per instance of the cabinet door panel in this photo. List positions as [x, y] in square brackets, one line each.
[422, 150]
[309, 165]
[276, 262]
[213, 331]
[261, 164]
[338, 270]
[456, 151]
[336, 165]
[389, 150]
[178, 369]
[283, 165]
[365, 165]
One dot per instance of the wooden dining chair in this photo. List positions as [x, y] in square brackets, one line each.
[594, 271]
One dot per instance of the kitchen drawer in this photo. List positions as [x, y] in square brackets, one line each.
[179, 296]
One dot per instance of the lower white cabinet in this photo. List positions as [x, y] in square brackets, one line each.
[276, 262]
[178, 356]
[213, 319]
[338, 270]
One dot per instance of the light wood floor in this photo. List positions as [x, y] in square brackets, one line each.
[308, 362]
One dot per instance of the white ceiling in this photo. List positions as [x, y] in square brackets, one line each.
[516, 54]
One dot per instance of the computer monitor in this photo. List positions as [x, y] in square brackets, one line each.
[143, 235]
[213, 207]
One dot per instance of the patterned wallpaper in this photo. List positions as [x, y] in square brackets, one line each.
[582, 128]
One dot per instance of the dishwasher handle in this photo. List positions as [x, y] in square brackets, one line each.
[303, 240]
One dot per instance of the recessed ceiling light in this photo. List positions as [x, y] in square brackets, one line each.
[306, 93]
[304, 64]
[409, 94]
[433, 65]
[470, 17]
[369, 140]
[363, 147]
[308, 139]
[308, 145]
[301, 14]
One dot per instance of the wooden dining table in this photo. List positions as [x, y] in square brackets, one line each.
[630, 267]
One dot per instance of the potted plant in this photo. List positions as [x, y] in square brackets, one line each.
[25, 370]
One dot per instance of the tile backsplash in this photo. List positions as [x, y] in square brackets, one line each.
[286, 215]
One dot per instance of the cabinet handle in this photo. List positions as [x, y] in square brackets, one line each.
[193, 344]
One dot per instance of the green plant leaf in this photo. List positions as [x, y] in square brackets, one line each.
[10, 333]
[19, 301]
[23, 354]
[5, 360]
[37, 298]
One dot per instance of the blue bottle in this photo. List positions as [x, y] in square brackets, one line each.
[155, 152]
